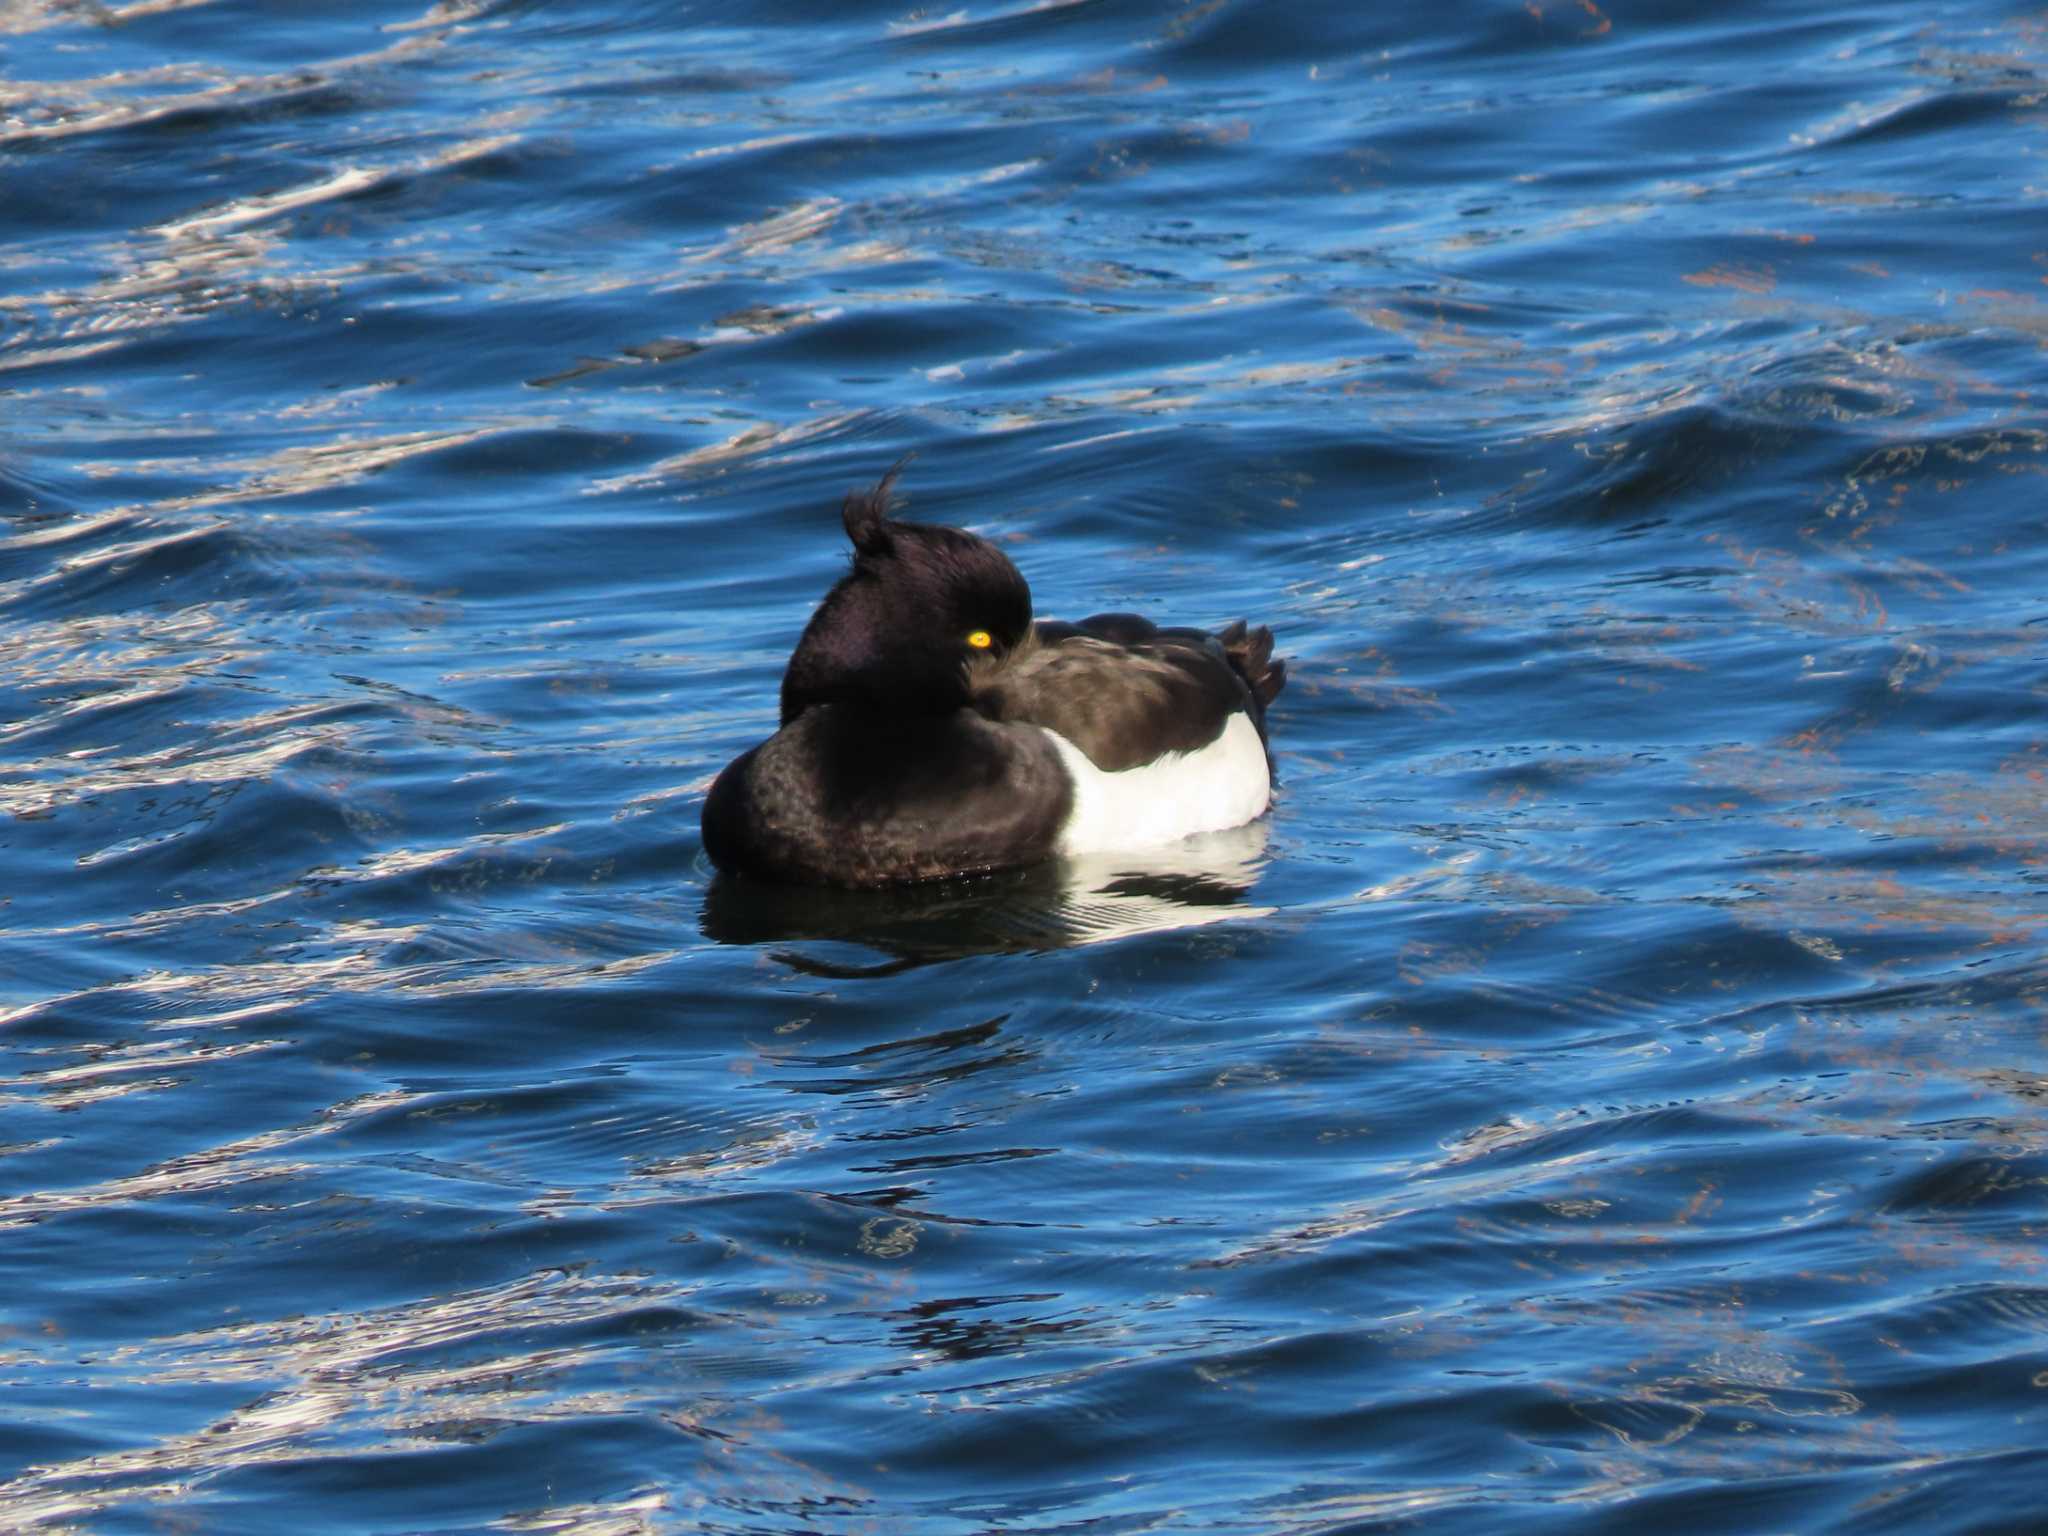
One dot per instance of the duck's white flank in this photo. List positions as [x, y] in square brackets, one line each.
[1224, 784]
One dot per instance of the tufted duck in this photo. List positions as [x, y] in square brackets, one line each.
[931, 727]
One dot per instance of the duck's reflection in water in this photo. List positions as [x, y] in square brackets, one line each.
[1068, 902]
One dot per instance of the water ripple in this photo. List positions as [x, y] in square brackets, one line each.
[1608, 1091]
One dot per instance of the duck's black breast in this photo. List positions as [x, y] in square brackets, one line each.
[1120, 688]
[843, 796]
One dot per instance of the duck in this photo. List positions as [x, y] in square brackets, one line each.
[932, 727]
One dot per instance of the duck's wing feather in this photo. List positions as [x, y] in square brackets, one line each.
[1124, 690]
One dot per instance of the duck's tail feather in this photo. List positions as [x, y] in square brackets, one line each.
[1251, 657]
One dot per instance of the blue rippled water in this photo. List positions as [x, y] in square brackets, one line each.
[1609, 1093]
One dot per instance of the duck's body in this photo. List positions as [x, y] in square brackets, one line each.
[931, 728]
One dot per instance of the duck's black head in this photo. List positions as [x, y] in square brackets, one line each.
[898, 631]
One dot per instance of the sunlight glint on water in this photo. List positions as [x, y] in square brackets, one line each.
[1607, 1093]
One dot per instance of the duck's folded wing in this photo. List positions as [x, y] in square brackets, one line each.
[1120, 688]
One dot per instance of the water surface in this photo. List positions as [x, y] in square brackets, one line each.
[1609, 1093]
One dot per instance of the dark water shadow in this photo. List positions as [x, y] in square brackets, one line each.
[1058, 905]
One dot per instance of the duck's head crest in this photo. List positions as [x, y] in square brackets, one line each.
[866, 513]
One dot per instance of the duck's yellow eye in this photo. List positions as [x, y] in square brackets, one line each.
[981, 640]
